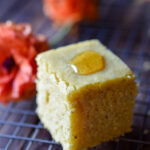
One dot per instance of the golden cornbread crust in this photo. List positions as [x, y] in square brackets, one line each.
[82, 111]
[57, 63]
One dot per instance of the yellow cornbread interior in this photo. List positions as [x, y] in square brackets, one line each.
[88, 62]
[82, 111]
[102, 112]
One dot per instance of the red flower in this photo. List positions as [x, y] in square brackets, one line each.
[18, 48]
[64, 11]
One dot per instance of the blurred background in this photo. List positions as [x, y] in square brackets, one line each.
[124, 27]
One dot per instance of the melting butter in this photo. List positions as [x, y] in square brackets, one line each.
[88, 62]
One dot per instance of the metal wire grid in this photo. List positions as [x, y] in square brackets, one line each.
[19, 125]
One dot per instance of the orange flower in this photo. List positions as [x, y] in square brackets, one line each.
[64, 11]
[18, 48]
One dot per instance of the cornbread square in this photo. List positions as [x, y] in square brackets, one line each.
[82, 111]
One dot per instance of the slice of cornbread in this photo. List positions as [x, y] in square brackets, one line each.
[85, 94]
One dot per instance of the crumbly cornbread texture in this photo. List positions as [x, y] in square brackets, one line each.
[82, 111]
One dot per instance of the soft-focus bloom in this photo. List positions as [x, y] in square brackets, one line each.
[70, 11]
[18, 48]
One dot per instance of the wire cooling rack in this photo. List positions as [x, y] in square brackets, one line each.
[124, 27]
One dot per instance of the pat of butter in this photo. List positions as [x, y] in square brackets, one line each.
[88, 62]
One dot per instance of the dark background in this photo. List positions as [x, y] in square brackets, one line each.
[124, 27]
